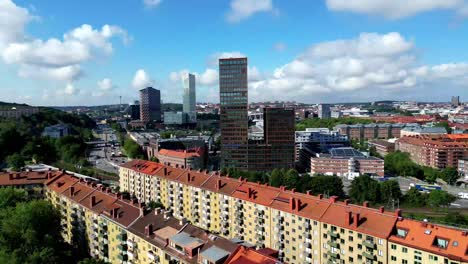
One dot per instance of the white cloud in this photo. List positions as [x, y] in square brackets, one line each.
[214, 58]
[51, 58]
[369, 65]
[105, 84]
[69, 90]
[394, 9]
[151, 3]
[207, 78]
[243, 9]
[142, 80]
[279, 47]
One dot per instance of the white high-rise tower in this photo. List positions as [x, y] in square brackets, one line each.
[189, 105]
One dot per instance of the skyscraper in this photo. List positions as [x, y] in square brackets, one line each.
[150, 105]
[233, 112]
[324, 111]
[189, 106]
[455, 100]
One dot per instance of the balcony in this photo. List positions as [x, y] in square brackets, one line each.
[333, 255]
[122, 247]
[368, 244]
[333, 234]
[368, 255]
[122, 237]
[333, 244]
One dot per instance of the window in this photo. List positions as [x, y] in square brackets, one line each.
[404, 250]
[380, 253]
[350, 238]
[393, 246]
[350, 249]
[404, 261]
[359, 236]
[432, 257]
[393, 258]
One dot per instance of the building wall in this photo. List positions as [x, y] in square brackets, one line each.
[150, 105]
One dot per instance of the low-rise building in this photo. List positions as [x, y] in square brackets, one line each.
[383, 147]
[346, 162]
[57, 131]
[419, 131]
[372, 131]
[436, 152]
[191, 158]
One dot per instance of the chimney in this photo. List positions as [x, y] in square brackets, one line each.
[292, 204]
[11, 176]
[365, 204]
[398, 212]
[299, 204]
[381, 209]
[72, 191]
[356, 220]
[348, 218]
[188, 177]
[240, 179]
[281, 188]
[141, 205]
[142, 211]
[165, 171]
[218, 184]
[308, 192]
[346, 202]
[49, 175]
[293, 190]
[115, 214]
[320, 196]
[333, 199]
[93, 201]
[249, 192]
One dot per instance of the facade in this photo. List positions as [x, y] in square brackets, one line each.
[192, 158]
[324, 111]
[372, 131]
[383, 147]
[134, 110]
[346, 162]
[117, 230]
[57, 131]
[303, 228]
[419, 131]
[455, 100]
[150, 105]
[175, 118]
[17, 113]
[435, 152]
[463, 167]
[233, 112]
[189, 104]
[316, 140]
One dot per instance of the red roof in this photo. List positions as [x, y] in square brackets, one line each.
[181, 154]
[423, 236]
[26, 177]
[245, 255]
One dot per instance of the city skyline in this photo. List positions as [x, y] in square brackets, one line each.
[329, 51]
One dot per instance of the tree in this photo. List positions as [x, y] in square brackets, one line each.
[414, 198]
[364, 188]
[439, 198]
[291, 179]
[15, 161]
[450, 175]
[455, 218]
[321, 184]
[276, 178]
[92, 261]
[132, 149]
[9, 197]
[390, 190]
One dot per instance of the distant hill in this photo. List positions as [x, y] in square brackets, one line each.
[6, 105]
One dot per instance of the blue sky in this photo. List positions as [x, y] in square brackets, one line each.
[91, 52]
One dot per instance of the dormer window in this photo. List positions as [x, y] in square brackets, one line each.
[401, 233]
[440, 242]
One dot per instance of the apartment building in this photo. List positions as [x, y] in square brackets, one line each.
[303, 228]
[436, 152]
[31, 181]
[346, 162]
[117, 230]
[383, 147]
[192, 158]
[372, 131]
[18, 112]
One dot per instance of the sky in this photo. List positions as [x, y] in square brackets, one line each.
[91, 52]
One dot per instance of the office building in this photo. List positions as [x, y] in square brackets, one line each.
[315, 140]
[189, 104]
[423, 130]
[324, 111]
[57, 131]
[372, 131]
[233, 112]
[175, 118]
[436, 152]
[303, 228]
[134, 110]
[150, 105]
[463, 167]
[455, 100]
[346, 162]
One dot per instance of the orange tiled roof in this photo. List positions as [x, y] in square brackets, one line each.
[457, 137]
[423, 235]
[25, 177]
[245, 255]
[180, 154]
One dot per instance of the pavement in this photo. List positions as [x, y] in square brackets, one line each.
[102, 158]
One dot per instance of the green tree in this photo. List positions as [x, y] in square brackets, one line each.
[439, 198]
[291, 179]
[132, 149]
[15, 161]
[414, 198]
[277, 178]
[390, 190]
[364, 188]
[321, 184]
[455, 218]
[9, 197]
[450, 175]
